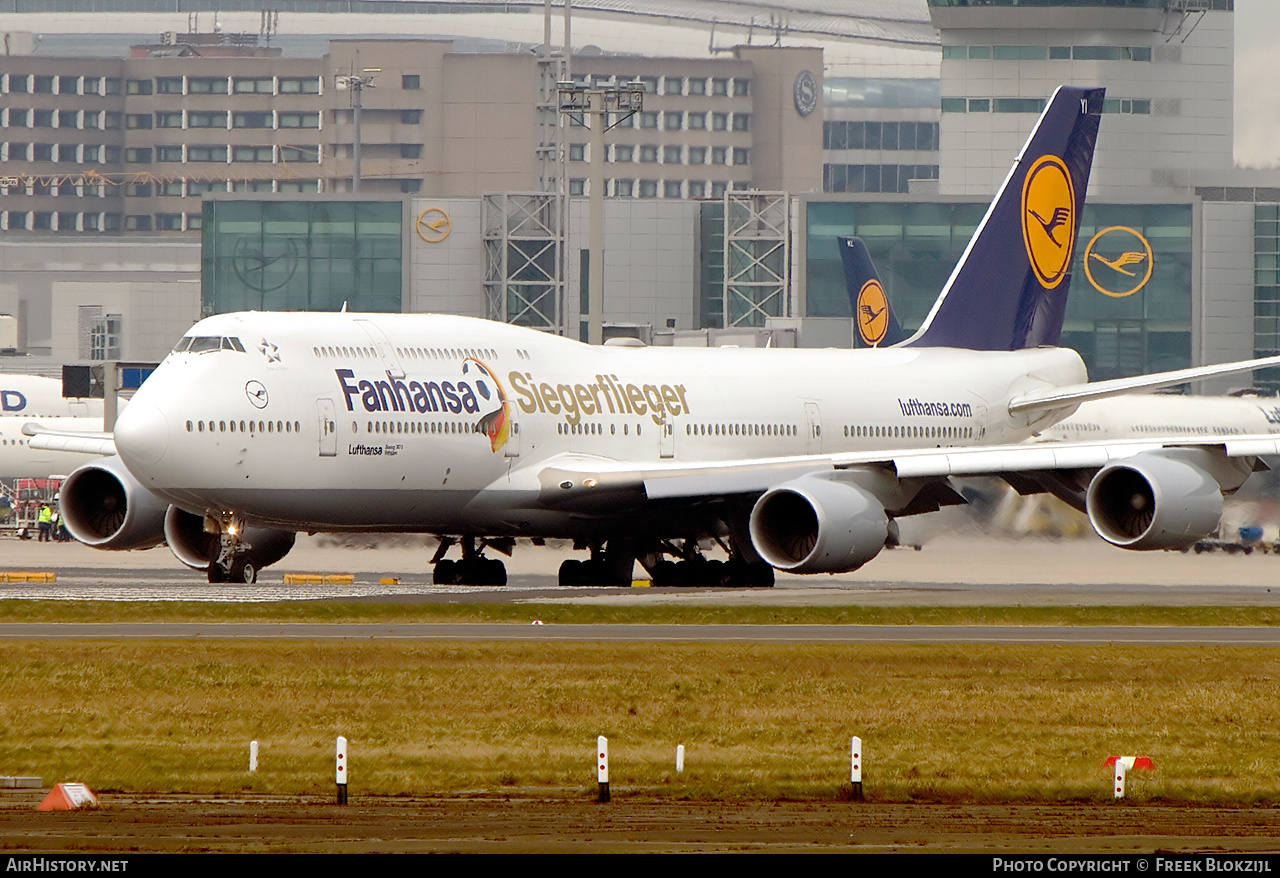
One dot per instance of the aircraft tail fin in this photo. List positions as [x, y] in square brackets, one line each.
[874, 322]
[1009, 289]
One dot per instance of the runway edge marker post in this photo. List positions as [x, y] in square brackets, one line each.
[340, 770]
[602, 767]
[855, 768]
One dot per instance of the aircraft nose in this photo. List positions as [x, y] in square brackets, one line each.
[142, 434]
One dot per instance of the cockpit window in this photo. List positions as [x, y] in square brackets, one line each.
[198, 344]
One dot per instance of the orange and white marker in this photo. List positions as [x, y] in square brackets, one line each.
[602, 767]
[1133, 763]
[340, 770]
[68, 797]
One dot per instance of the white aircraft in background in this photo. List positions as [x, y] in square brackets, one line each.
[259, 425]
[19, 459]
[33, 403]
[40, 397]
[1132, 416]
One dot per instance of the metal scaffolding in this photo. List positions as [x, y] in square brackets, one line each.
[523, 242]
[757, 257]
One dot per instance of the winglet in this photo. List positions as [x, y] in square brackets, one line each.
[1009, 289]
[875, 324]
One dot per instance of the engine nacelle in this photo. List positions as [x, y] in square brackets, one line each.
[1153, 501]
[105, 507]
[818, 525]
[194, 547]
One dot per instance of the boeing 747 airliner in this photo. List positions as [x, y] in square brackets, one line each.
[259, 425]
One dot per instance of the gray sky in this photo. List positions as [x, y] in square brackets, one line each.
[1257, 98]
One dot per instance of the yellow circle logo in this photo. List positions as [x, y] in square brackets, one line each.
[1049, 219]
[873, 313]
[433, 225]
[1118, 261]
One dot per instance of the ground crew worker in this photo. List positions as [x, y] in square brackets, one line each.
[46, 522]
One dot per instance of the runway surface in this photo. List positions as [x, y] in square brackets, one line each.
[953, 570]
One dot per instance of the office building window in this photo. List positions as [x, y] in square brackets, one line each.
[411, 82]
[309, 85]
[671, 189]
[720, 87]
[207, 85]
[410, 150]
[261, 85]
[697, 86]
[407, 117]
[139, 87]
[673, 85]
[720, 121]
[623, 152]
[697, 155]
[252, 120]
[216, 119]
[741, 121]
[169, 85]
[697, 121]
[673, 120]
[168, 153]
[207, 154]
[719, 155]
[741, 155]
[623, 188]
[43, 85]
[68, 85]
[648, 188]
[671, 154]
[741, 88]
[697, 188]
[163, 120]
[577, 152]
[648, 119]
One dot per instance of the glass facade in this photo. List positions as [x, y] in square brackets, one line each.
[1266, 290]
[1129, 313]
[301, 256]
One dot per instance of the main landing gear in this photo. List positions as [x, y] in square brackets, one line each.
[612, 565]
[473, 568]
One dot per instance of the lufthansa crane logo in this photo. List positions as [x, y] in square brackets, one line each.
[1049, 219]
[1118, 261]
[873, 313]
[433, 225]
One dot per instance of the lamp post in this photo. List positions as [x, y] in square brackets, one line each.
[357, 84]
[597, 108]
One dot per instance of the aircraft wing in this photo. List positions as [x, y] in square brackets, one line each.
[103, 444]
[1058, 397]
[598, 484]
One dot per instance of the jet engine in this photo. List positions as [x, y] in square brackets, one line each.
[105, 507]
[818, 525]
[1153, 501]
[197, 549]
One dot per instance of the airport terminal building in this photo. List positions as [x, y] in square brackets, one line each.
[176, 169]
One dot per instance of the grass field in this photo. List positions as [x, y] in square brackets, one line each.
[17, 611]
[944, 723]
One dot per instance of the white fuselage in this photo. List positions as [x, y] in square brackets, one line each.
[18, 460]
[36, 396]
[369, 422]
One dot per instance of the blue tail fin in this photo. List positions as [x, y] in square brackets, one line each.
[873, 317]
[1009, 290]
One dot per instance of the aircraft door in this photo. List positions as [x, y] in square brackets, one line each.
[666, 437]
[328, 424]
[813, 429]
